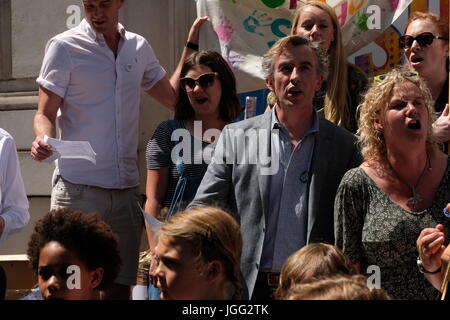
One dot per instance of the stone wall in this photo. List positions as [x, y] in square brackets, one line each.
[26, 26]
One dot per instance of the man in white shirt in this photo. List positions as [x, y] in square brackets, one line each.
[92, 74]
[14, 213]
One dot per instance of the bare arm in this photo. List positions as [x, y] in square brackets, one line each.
[44, 123]
[165, 91]
[193, 37]
[156, 189]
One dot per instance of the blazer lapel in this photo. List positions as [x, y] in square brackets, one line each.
[264, 180]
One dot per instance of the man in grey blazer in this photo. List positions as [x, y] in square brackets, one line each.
[278, 173]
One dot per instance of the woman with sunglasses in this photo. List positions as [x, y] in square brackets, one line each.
[341, 92]
[401, 187]
[179, 151]
[207, 101]
[425, 44]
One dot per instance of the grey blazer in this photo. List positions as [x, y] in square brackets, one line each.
[243, 189]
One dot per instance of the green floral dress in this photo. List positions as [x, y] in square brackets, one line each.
[373, 230]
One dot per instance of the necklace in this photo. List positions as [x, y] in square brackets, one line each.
[416, 198]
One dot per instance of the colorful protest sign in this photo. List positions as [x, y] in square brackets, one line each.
[245, 29]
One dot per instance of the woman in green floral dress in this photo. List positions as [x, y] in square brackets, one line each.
[401, 188]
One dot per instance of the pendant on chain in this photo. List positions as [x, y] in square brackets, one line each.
[415, 199]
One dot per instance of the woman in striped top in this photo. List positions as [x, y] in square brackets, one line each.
[207, 101]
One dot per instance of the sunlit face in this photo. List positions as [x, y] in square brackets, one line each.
[295, 79]
[57, 282]
[103, 15]
[429, 60]
[180, 276]
[406, 116]
[204, 100]
[316, 25]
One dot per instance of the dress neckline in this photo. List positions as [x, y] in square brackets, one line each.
[436, 196]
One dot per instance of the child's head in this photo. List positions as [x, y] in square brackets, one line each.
[312, 262]
[199, 254]
[74, 254]
[340, 287]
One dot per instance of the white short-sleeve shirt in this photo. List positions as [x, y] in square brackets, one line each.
[101, 96]
[13, 198]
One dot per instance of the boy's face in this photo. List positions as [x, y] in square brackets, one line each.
[62, 275]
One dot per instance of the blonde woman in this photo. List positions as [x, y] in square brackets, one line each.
[401, 187]
[340, 93]
[198, 256]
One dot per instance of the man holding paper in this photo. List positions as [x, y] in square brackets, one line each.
[92, 74]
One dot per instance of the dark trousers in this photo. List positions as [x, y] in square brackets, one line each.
[265, 286]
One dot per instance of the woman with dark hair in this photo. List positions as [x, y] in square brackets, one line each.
[180, 150]
[425, 44]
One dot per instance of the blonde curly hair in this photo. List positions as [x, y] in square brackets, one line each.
[374, 105]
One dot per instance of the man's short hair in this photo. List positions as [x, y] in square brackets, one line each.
[277, 49]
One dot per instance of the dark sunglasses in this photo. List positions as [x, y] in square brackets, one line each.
[423, 39]
[206, 80]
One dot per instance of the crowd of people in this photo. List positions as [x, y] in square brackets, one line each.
[340, 174]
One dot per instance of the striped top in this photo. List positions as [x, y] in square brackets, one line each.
[158, 155]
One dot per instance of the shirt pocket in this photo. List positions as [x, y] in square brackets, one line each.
[130, 74]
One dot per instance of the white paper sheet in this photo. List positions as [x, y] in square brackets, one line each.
[154, 223]
[70, 150]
